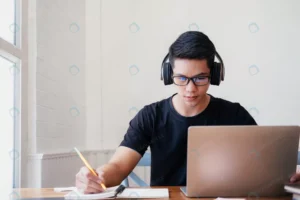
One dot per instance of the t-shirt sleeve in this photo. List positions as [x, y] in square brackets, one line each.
[243, 117]
[139, 132]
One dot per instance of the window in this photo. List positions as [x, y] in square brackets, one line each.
[13, 107]
[8, 25]
[9, 114]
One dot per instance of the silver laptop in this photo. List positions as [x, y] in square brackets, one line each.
[240, 161]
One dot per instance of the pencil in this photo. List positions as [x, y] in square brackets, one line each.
[88, 165]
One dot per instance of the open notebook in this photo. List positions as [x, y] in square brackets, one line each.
[127, 193]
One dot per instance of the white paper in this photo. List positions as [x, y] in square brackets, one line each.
[144, 193]
[127, 193]
[63, 189]
[108, 193]
[220, 198]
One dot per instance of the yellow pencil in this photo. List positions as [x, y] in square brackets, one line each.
[88, 165]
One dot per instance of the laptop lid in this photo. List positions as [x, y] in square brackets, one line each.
[240, 160]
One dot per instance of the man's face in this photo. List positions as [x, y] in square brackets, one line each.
[191, 94]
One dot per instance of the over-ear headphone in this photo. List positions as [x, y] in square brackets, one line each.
[217, 71]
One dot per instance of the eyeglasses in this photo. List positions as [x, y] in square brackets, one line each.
[183, 81]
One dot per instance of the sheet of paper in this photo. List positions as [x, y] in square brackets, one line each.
[144, 193]
[64, 189]
[127, 193]
[220, 198]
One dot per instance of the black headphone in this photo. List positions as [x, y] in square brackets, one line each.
[217, 71]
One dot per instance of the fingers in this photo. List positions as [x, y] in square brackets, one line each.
[295, 178]
[101, 175]
[88, 182]
[88, 188]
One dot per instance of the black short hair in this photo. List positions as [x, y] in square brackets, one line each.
[192, 45]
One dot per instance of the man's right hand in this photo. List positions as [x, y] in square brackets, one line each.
[88, 183]
[111, 174]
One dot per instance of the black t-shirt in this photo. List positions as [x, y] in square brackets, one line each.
[161, 127]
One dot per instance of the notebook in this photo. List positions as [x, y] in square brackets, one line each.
[127, 193]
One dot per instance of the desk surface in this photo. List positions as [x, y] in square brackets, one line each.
[174, 193]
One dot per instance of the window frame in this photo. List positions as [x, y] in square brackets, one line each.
[18, 53]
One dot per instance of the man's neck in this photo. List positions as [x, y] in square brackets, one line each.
[188, 111]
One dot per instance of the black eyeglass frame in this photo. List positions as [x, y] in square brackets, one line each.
[192, 79]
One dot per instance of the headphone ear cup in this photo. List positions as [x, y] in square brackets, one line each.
[167, 74]
[215, 78]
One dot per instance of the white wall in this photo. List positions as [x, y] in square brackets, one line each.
[112, 36]
[271, 95]
[93, 75]
[60, 75]
[115, 35]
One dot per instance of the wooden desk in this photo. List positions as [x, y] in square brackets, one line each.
[174, 193]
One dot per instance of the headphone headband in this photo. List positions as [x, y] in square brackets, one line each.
[216, 54]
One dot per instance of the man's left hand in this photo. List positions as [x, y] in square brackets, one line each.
[295, 178]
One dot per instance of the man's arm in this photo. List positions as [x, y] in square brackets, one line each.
[135, 143]
[120, 166]
[126, 157]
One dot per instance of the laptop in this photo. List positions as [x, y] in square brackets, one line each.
[240, 161]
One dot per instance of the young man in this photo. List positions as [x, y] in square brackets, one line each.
[163, 125]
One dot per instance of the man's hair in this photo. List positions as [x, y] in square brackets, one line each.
[192, 45]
